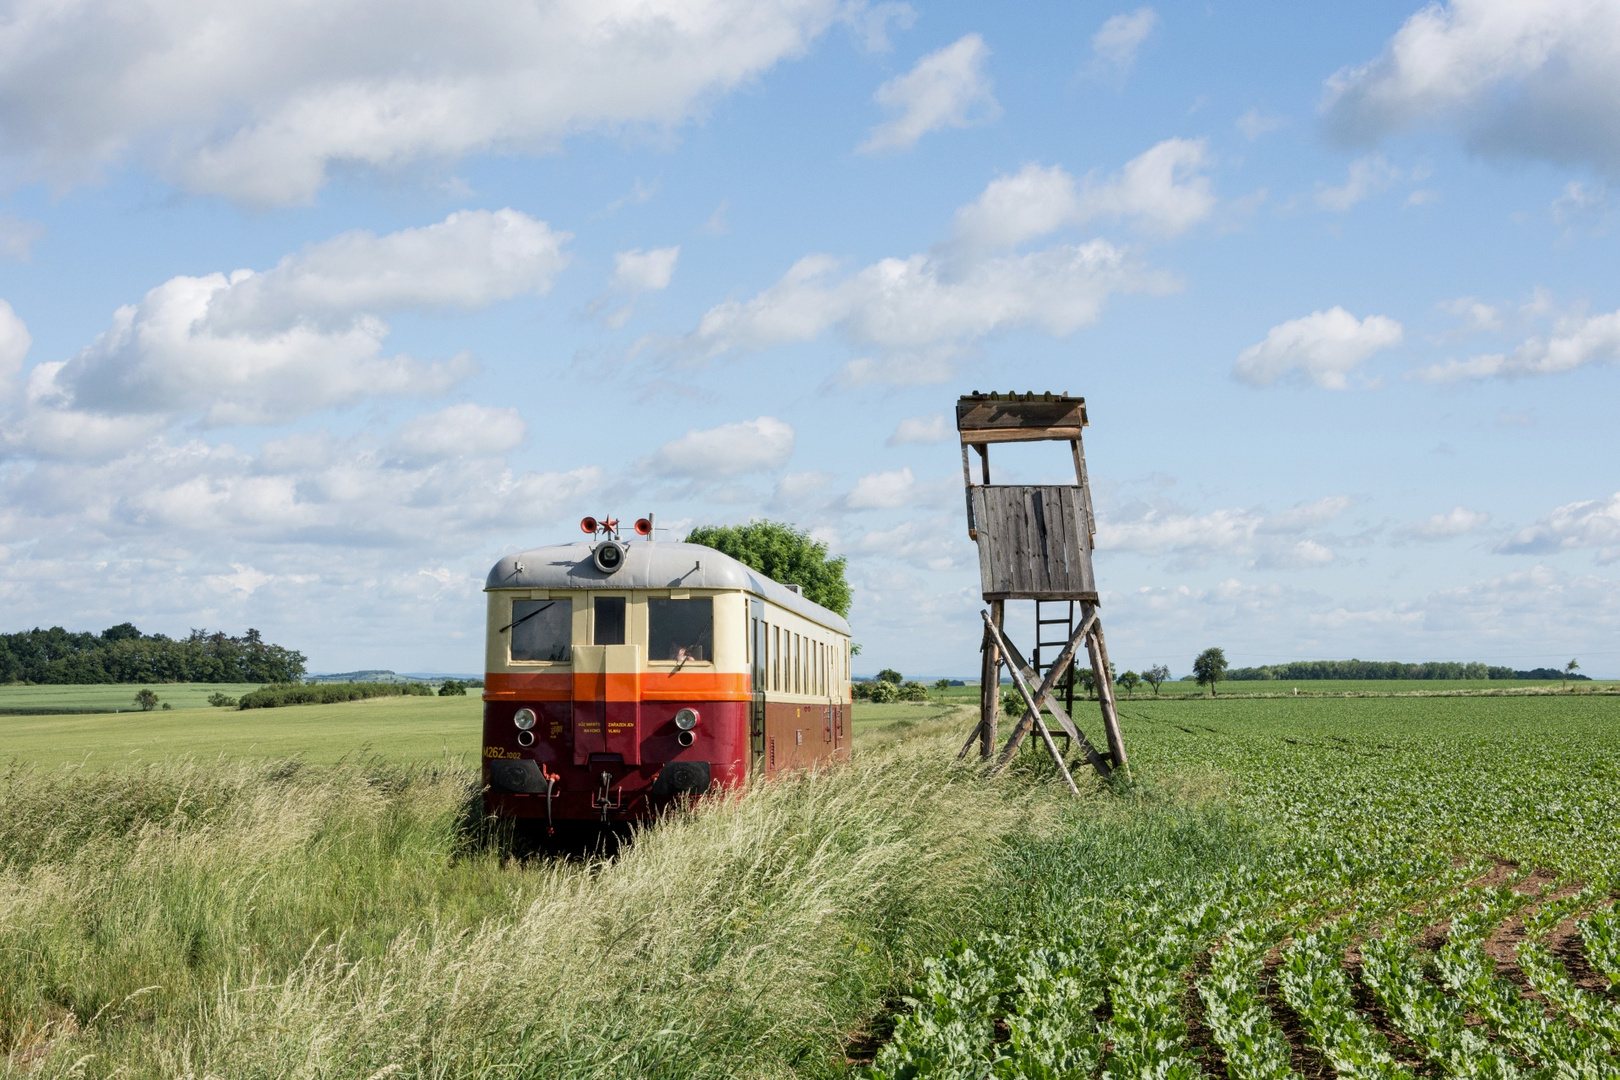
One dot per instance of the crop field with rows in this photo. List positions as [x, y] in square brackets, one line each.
[1311, 887]
[1432, 894]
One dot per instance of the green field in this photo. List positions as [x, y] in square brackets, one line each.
[402, 729]
[1350, 886]
[1179, 690]
[111, 697]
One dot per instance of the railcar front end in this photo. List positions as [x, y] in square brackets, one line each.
[620, 677]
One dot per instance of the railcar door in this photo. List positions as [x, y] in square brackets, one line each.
[756, 681]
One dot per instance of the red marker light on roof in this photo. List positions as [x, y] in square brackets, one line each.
[587, 525]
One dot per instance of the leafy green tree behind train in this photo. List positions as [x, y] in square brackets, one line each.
[783, 553]
[122, 654]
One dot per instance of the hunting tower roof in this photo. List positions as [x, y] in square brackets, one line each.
[1013, 417]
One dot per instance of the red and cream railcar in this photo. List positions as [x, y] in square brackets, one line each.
[622, 675]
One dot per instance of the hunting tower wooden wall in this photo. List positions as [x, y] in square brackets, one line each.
[1035, 543]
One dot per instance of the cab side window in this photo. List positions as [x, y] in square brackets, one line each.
[680, 630]
[542, 629]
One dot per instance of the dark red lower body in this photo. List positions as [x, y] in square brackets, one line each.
[609, 761]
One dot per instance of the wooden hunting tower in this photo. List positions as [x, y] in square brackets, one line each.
[1035, 544]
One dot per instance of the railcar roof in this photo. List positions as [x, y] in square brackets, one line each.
[650, 564]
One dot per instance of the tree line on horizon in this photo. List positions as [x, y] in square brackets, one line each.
[1304, 670]
[122, 654]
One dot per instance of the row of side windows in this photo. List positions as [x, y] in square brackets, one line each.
[677, 629]
[799, 664]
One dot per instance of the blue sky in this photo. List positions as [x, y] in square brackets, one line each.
[308, 321]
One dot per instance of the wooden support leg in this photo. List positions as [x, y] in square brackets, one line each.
[1098, 648]
[1034, 699]
[990, 683]
[1033, 715]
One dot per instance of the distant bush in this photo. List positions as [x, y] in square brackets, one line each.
[890, 675]
[882, 692]
[273, 697]
[146, 699]
[1012, 702]
[221, 701]
[913, 691]
[452, 688]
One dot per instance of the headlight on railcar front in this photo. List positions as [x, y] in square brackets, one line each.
[686, 719]
[523, 719]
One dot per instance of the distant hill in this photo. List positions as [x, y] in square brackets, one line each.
[372, 675]
[383, 675]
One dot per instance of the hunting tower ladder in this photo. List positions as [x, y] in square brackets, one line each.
[1035, 544]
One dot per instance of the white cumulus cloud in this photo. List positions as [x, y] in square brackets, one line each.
[762, 444]
[636, 272]
[1164, 191]
[1114, 45]
[307, 334]
[1594, 523]
[1323, 348]
[918, 312]
[933, 428]
[465, 430]
[1577, 342]
[948, 88]
[922, 313]
[1268, 541]
[15, 341]
[640, 271]
[1515, 78]
[1445, 526]
[1368, 176]
[889, 490]
[258, 101]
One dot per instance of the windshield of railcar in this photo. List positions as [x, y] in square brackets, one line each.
[680, 630]
[542, 629]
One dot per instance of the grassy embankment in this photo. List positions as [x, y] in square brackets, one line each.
[249, 917]
[263, 919]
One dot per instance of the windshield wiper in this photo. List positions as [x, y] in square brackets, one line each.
[525, 618]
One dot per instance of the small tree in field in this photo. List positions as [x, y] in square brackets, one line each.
[146, 700]
[1210, 668]
[1569, 669]
[890, 675]
[1086, 680]
[1130, 681]
[1156, 676]
[1012, 702]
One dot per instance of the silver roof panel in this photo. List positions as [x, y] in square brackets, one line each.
[661, 564]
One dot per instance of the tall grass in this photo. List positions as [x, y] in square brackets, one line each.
[273, 920]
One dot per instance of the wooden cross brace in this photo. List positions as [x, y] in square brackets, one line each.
[1043, 696]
